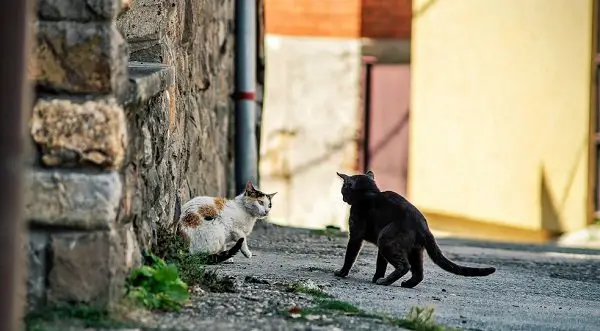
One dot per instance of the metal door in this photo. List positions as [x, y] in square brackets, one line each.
[386, 109]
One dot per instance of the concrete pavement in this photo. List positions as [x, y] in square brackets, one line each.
[534, 288]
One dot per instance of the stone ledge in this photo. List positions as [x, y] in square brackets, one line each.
[147, 79]
[80, 10]
[72, 200]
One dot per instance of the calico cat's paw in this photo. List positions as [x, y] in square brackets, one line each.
[247, 253]
[341, 273]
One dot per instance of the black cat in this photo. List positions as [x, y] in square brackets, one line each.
[399, 230]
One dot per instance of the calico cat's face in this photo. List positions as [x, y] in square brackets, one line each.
[257, 203]
[357, 185]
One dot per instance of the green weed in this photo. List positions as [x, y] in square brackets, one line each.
[338, 306]
[170, 246]
[419, 319]
[157, 285]
[174, 248]
[193, 272]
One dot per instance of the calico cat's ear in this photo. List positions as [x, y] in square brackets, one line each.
[342, 176]
[370, 174]
[270, 196]
[250, 187]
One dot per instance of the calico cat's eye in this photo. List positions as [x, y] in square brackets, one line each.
[260, 202]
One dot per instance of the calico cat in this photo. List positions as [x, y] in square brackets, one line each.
[219, 226]
[399, 230]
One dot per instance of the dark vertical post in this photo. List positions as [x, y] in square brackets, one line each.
[245, 94]
[368, 63]
[260, 76]
[595, 125]
[14, 99]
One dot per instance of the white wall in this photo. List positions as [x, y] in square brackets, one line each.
[309, 127]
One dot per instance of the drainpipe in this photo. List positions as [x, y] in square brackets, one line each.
[14, 100]
[368, 62]
[246, 164]
[260, 73]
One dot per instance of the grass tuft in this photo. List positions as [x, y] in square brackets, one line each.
[338, 306]
[193, 272]
[418, 318]
[309, 289]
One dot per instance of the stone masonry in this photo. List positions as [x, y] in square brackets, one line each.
[181, 137]
[132, 113]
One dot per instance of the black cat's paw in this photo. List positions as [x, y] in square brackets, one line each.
[376, 278]
[382, 281]
[341, 273]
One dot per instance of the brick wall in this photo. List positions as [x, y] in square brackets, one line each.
[331, 18]
[340, 18]
[386, 19]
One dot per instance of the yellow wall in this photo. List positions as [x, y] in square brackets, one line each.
[500, 111]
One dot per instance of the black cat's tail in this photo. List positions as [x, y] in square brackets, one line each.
[435, 253]
[224, 256]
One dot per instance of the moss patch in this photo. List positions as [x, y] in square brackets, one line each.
[62, 317]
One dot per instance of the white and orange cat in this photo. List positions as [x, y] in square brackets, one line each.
[219, 226]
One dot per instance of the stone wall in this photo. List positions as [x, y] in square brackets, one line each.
[132, 114]
[181, 137]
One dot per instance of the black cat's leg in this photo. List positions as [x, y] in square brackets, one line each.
[415, 259]
[380, 267]
[352, 250]
[393, 246]
[399, 261]
[355, 240]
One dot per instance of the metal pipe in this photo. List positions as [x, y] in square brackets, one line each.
[368, 63]
[246, 165]
[14, 103]
[260, 75]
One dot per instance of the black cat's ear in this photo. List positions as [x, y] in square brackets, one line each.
[370, 174]
[342, 176]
